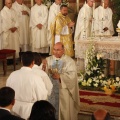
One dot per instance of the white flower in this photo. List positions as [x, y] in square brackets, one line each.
[88, 72]
[89, 80]
[101, 55]
[103, 75]
[109, 82]
[101, 81]
[95, 68]
[97, 81]
[80, 80]
[95, 85]
[100, 77]
[94, 79]
[98, 56]
[84, 83]
[117, 78]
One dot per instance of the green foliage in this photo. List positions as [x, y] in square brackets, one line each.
[115, 5]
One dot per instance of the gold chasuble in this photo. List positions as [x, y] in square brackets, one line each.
[58, 28]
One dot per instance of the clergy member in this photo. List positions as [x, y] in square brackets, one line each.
[38, 24]
[62, 71]
[36, 68]
[10, 27]
[84, 21]
[54, 10]
[61, 31]
[103, 19]
[23, 13]
[28, 86]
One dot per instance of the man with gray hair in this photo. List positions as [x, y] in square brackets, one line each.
[63, 74]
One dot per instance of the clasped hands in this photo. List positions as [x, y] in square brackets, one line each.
[25, 12]
[39, 26]
[71, 24]
[55, 76]
[105, 29]
[13, 29]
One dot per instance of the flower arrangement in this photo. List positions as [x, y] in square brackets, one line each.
[111, 85]
[93, 78]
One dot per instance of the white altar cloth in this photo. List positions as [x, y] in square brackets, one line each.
[108, 46]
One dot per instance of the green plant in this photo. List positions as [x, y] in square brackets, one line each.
[115, 5]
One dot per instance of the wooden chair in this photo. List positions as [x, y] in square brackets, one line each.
[4, 54]
[4, 60]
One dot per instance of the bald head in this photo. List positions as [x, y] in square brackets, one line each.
[19, 1]
[58, 50]
[58, 2]
[106, 3]
[59, 44]
[8, 3]
[38, 2]
[90, 3]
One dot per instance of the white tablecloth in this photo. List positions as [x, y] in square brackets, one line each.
[108, 46]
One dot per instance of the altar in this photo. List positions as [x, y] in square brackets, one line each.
[108, 46]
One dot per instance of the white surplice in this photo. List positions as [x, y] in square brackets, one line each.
[24, 25]
[39, 15]
[83, 25]
[53, 11]
[103, 18]
[45, 78]
[10, 20]
[29, 88]
[68, 87]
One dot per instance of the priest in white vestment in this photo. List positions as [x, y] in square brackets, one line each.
[36, 68]
[62, 70]
[23, 13]
[53, 11]
[10, 28]
[84, 21]
[28, 86]
[103, 24]
[38, 24]
[84, 25]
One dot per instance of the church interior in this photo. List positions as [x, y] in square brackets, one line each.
[88, 100]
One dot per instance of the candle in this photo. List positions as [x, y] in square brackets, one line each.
[93, 8]
[77, 2]
[103, 9]
[32, 2]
